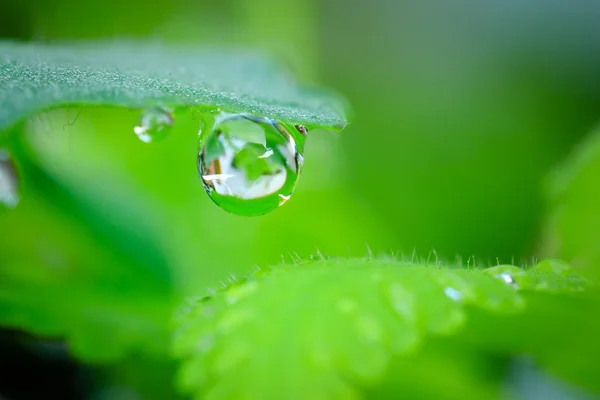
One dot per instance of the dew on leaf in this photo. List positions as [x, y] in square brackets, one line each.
[509, 274]
[9, 184]
[558, 267]
[453, 294]
[249, 165]
[155, 124]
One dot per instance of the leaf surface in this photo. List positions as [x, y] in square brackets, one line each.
[36, 77]
[337, 324]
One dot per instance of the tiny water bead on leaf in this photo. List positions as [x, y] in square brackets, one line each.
[155, 124]
[249, 165]
[509, 274]
[9, 184]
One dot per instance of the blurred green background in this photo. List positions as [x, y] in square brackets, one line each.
[460, 111]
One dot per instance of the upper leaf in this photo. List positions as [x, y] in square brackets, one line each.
[336, 324]
[34, 77]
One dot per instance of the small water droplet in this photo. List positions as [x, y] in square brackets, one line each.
[9, 183]
[510, 275]
[453, 294]
[249, 165]
[507, 278]
[558, 267]
[155, 124]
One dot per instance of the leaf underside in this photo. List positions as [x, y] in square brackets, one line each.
[337, 324]
[36, 77]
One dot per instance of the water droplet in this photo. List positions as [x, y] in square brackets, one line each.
[249, 165]
[558, 267]
[9, 184]
[155, 124]
[509, 274]
[507, 278]
[453, 294]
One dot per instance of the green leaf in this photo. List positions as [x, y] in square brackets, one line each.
[35, 77]
[62, 275]
[337, 324]
[90, 267]
[441, 369]
[559, 331]
[573, 194]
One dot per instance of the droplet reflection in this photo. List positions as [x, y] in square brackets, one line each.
[453, 294]
[507, 278]
[249, 165]
[155, 124]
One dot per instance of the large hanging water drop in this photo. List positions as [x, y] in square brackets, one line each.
[249, 165]
[9, 185]
[155, 124]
